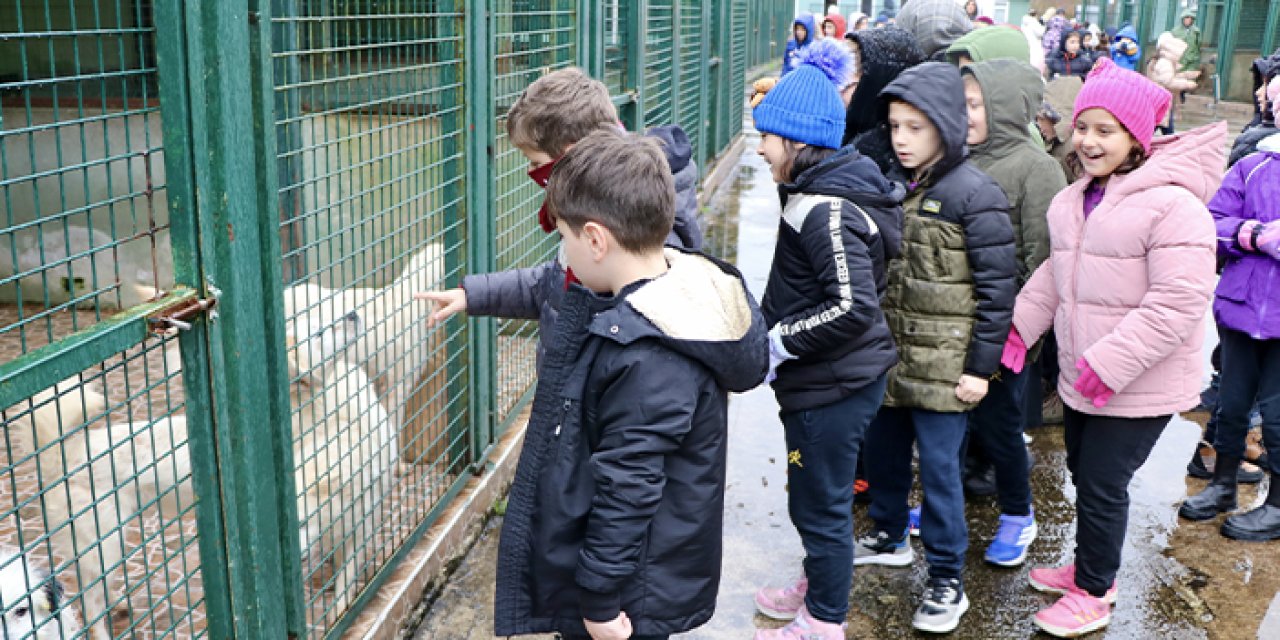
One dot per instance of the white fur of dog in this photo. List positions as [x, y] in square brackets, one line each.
[394, 346]
[344, 446]
[31, 601]
[149, 461]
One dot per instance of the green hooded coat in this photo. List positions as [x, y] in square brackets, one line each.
[1190, 60]
[1012, 92]
[981, 45]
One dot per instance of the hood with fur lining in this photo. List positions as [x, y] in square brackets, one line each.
[701, 309]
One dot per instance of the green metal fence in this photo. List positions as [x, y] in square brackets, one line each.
[215, 215]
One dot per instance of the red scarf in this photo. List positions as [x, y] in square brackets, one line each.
[542, 175]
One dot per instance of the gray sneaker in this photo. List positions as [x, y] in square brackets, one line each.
[878, 547]
[943, 604]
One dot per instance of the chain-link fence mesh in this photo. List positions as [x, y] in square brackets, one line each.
[369, 138]
[97, 525]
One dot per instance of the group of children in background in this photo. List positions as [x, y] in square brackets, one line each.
[926, 244]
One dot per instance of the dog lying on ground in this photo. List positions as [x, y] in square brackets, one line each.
[31, 601]
[343, 445]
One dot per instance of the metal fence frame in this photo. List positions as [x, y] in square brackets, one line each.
[227, 141]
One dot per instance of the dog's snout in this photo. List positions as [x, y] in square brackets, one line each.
[353, 317]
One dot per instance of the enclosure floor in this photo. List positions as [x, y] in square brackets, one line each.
[165, 591]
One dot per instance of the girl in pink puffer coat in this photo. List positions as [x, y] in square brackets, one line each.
[1126, 289]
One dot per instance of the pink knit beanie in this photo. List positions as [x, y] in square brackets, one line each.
[1138, 103]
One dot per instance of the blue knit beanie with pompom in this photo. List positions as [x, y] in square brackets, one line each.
[806, 106]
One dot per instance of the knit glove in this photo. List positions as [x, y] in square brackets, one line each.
[1091, 386]
[778, 353]
[1015, 351]
[1269, 240]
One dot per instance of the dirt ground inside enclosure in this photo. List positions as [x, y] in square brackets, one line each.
[165, 591]
[1232, 581]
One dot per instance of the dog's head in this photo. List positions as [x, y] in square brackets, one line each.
[316, 331]
[30, 601]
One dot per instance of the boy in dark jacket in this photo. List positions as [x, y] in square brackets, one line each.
[1069, 59]
[546, 121]
[614, 520]
[949, 304]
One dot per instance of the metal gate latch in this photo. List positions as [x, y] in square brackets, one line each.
[180, 315]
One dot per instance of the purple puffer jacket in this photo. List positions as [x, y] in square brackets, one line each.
[1248, 298]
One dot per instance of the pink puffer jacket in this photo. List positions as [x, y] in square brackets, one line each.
[1129, 288]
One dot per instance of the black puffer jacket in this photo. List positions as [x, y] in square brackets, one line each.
[618, 496]
[950, 296]
[1060, 63]
[1263, 124]
[883, 54]
[824, 288]
[533, 293]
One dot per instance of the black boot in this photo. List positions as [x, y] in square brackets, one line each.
[1261, 524]
[1218, 496]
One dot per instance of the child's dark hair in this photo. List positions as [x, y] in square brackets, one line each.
[808, 157]
[620, 181]
[1136, 158]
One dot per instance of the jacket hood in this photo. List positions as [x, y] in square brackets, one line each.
[1192, 160]
[807, 21]
[884, 53]
[988, 44]
[1012, 92]
[1129, 32]
[1170, 47]
[934, 23]
[838, 20]
[1067, 33]
[675, 144]
[701, 309]
[850, 175]
[1263, 70]
[1061, 94]
[936, 89]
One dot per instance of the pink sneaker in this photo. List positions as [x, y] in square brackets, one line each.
[782, 603]
[804, 627]
[1061, 580]
[1075, 614]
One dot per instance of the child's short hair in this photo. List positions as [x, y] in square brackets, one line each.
[558, 110]
[619, 180]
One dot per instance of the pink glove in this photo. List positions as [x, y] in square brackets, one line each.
[1091, 386]
[1269, 240]
[1015, 351]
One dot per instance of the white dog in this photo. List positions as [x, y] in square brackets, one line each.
[343, 443]
[396, 346]
[31, 601]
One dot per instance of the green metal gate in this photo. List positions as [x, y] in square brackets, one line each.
[215, 214]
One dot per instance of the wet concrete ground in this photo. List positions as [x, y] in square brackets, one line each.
[1178, 580]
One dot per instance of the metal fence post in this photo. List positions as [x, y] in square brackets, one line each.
[479, 143]
[237, 204]
[637, 33]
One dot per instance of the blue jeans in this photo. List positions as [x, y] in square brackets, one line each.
[940, 437]
[996, 425]
[822, 454]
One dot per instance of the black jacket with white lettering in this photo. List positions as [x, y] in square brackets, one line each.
[841, 224]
